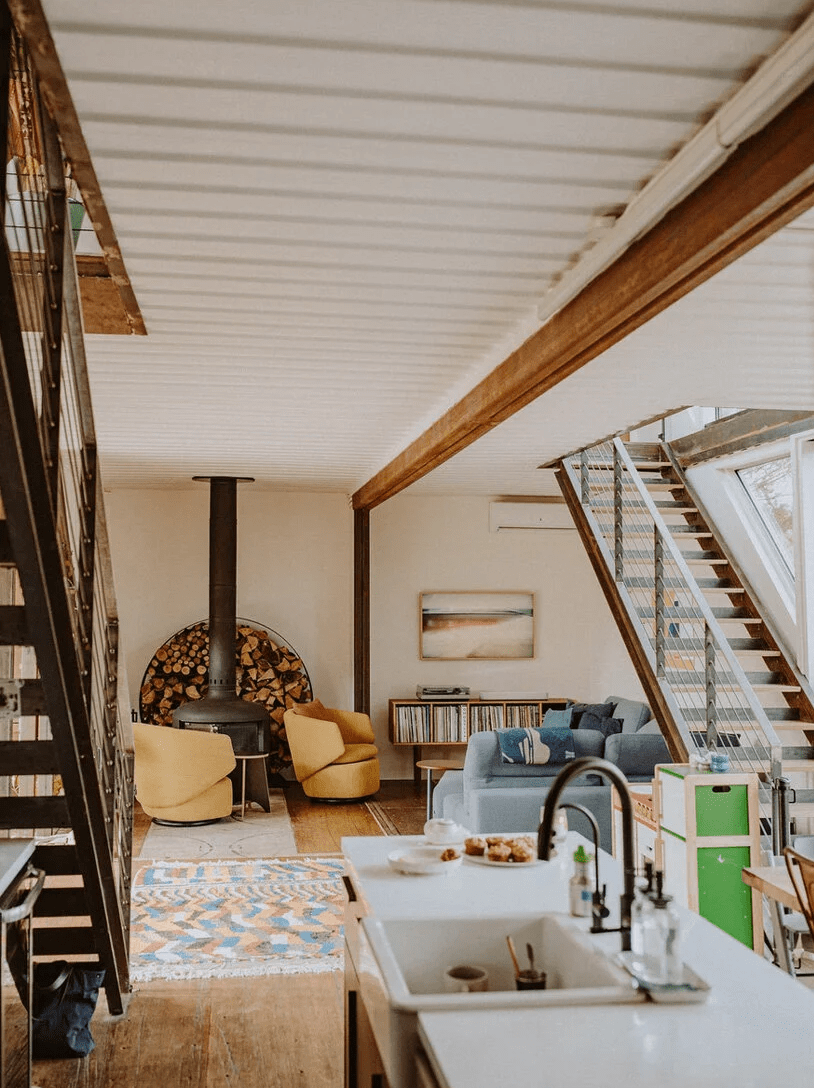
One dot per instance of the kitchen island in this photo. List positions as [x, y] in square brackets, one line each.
[752, 1031]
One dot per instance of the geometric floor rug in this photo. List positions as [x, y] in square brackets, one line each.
[221, 919]
[258, 835]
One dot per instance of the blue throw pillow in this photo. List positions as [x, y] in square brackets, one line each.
[558, 719]
[600, 710]
[536, 745]
[606, 726]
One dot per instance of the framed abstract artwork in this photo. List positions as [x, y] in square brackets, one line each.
[455, 626]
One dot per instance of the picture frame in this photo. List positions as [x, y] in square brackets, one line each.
[487, 625]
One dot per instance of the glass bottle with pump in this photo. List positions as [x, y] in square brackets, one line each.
[642, 905]
[580, 886]
[657, 958]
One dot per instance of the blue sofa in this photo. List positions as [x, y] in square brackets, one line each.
[491, 796]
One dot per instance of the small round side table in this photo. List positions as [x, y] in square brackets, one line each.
[430, 765]
[258, 782]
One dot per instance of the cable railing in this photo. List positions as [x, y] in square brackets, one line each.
[710, 697]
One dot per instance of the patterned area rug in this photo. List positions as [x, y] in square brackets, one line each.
[401, 816]
[220, 919]
[258, 835]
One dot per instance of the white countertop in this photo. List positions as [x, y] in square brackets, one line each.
[754, 1031]
[464, 892]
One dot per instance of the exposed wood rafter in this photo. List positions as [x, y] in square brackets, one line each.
[743, 431]
[766, 183]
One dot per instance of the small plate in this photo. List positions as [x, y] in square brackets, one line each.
[525, 836]
[455, 844]
[423, 861]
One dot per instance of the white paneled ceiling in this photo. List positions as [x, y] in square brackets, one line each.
[338, 215]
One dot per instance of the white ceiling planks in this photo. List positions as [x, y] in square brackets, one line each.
[337, 217]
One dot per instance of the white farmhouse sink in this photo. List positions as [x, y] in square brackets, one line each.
[402, 963]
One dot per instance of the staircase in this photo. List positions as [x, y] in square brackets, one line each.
[66, 762]
[715, 672]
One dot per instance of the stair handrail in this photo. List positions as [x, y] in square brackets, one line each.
[788, 655]
[704, 608]
[642, 634]
[737, 673]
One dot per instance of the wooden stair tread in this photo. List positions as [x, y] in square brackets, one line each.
[793, 688]
[801, 809]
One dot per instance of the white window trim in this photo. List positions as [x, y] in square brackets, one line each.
[753, 524]
[802, 466]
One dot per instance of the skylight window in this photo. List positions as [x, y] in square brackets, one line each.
[769, 487]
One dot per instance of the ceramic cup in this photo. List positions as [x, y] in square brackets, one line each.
[530, 980]
[465, 979]
[440, 831]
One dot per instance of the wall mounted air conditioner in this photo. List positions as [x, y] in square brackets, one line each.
[529, 515]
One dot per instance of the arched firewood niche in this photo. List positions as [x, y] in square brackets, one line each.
[268, 671]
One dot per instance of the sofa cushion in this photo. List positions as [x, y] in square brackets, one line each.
[356, 753]
[492, 771]
[314, 709]
[651, 728]
[633, 713]
[607, 726]
[558, 719]
[600, 710]
[589, 742]
[636, 755]
[536, 746]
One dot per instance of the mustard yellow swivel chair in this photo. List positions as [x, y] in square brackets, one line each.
[332, 751]
[182, 774]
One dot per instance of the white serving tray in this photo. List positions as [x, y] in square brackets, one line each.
[692, 990]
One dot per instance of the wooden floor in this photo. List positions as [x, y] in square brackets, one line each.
[282, 1031]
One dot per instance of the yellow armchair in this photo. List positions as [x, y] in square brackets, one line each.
[332, 751]
[182, 774]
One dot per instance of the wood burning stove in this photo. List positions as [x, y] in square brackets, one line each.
[221, 710]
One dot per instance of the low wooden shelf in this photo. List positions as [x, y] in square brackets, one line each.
[419, 722]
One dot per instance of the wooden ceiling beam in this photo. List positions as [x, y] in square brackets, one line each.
[766, 183]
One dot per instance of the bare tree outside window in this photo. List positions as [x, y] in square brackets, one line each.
[769, 487]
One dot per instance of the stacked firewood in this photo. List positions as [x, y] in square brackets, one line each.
[266, 672]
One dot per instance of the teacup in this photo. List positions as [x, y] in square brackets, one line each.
[466, 978]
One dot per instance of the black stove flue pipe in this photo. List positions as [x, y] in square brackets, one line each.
[221, 709]
[222, 586]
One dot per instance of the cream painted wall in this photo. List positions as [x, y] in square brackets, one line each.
[294, 574]
[435, 542]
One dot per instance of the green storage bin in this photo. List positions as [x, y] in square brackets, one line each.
[721, 810]
[723, 898]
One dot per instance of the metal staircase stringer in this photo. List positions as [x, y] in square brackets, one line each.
[33, 538]
[806, 695]
[659, 699]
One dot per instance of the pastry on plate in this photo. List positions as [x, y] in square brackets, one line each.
[499, 851]
[521, 851]
[475, 846]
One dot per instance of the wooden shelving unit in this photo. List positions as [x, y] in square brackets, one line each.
[420, 722]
